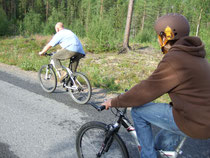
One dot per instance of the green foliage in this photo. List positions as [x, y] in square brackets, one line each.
[56, 16]
[78, 28]
[21, 52]
[31, 23]
[101, 36]
[30, 62]
[4, 22]
[101, 23]
[97, 79]
[145, 36]
[205, 34]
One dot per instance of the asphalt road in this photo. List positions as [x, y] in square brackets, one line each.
[35, 124]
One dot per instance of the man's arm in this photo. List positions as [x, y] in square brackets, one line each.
[45, 49]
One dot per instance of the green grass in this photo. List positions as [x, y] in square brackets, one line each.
[104, 70]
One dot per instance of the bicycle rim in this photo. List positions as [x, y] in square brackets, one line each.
[47, 78]
[90, 140]
[83, 92]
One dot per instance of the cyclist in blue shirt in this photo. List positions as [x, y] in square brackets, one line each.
[71, 46]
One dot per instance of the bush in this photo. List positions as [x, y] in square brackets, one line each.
[4, 23]
[204, 35]
[78, 28]
[55, 17]
[31, 23]
[145, 36]
[101, 35]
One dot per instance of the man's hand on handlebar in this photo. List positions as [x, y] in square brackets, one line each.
[107, 104]
[41, 53]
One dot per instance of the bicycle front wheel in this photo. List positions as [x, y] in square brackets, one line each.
[47, 78]
[83, 92]
[90, 140]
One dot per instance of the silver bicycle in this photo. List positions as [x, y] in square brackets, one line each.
[99, 140]
[76, 83]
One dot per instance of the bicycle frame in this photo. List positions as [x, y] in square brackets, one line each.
[129, 127]
[76, 83]
[70, 75]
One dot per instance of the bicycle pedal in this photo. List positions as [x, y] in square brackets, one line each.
[63, 80]
[64, 85]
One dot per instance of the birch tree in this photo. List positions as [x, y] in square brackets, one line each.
[126, 46]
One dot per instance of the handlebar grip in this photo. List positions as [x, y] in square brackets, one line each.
[49, 54]
[97, 107]
[101, 108]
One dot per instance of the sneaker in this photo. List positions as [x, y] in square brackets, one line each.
[63, 75]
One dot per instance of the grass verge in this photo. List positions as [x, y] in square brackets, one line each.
[104, 70]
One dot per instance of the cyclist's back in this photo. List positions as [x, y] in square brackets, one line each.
[191, 96]
[67, 40]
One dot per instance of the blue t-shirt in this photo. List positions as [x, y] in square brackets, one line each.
[67, 40]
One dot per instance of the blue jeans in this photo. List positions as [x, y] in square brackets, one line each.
[158, 114]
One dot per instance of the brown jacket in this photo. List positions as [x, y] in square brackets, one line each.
[184, 74]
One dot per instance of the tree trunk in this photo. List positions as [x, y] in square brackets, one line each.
[143, 17]
[126, 46]
[32, 4]
[87, 17]
[47, 9]
[199, 21]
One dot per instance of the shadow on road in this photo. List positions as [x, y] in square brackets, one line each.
[5, 151]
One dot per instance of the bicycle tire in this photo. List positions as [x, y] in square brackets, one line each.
[47, 78]
[90, 138]
[83, 93]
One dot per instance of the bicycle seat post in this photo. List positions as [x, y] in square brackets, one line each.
[70, 63]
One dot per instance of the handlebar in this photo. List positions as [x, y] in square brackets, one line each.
[48, 54]
[99, 108]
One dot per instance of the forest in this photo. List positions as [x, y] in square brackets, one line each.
[100, 23]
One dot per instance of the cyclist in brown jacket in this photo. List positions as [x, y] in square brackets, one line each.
[184, 74]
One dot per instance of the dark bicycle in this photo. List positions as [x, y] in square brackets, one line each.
[99, 140]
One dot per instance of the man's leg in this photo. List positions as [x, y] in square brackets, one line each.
[158, 114]
[75, 62]
[166, 140]
[62, 54]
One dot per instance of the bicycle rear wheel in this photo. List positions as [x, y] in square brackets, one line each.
[83, 92]
[90, 140]
[47, 78]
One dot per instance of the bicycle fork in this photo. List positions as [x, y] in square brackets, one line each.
[47, 74]
[111, 129]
